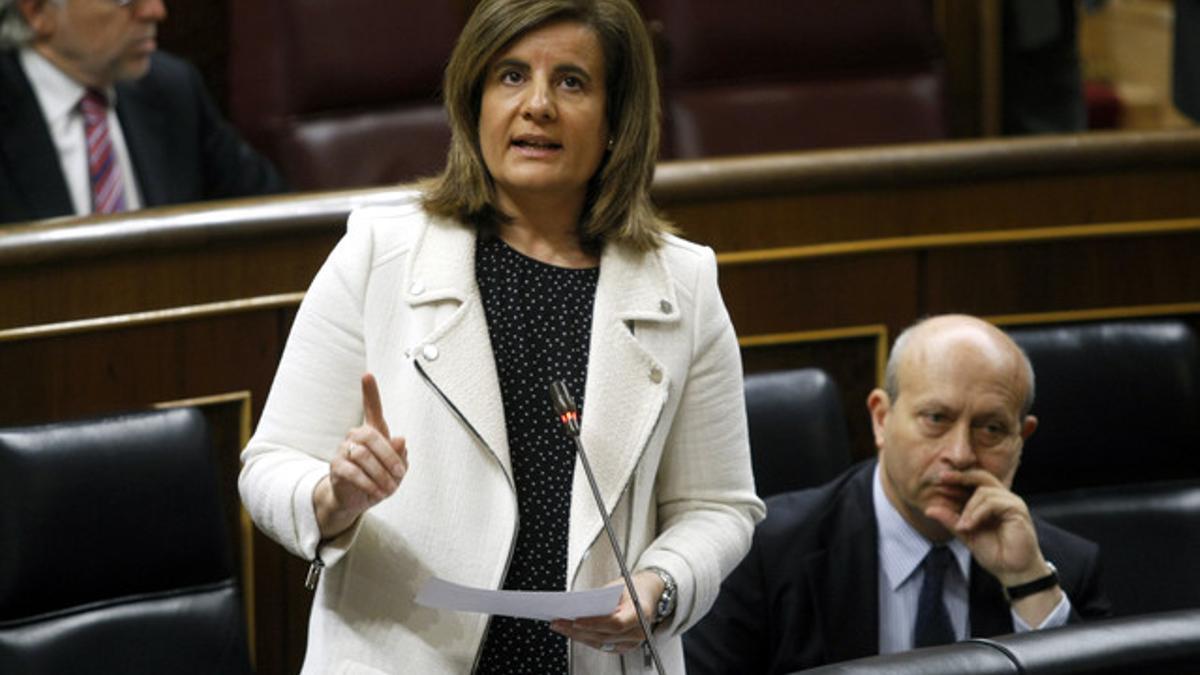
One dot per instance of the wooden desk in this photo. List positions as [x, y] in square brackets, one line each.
[824, 256]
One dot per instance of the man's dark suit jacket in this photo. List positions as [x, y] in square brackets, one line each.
[181, 148]
[806, 594]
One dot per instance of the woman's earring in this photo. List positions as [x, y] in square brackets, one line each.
[611, 142]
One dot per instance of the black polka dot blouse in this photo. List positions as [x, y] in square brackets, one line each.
[539, 318]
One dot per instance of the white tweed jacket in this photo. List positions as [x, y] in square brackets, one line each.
[664, 426]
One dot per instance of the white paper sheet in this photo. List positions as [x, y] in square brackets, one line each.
[545, 605]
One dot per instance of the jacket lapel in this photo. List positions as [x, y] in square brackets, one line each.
[143, 124]
[30, 158]
[846, 577]
[627, 386]
[456, 356]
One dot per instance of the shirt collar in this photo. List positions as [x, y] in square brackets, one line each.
[901, 547]
[58, 94]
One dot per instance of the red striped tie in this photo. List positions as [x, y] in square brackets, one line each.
[108, 191]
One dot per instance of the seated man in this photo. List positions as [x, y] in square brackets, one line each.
[926, 545]
[92, 120]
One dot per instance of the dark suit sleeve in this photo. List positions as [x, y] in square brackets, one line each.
[732, 639]
[1079, 564]
[231, 167]
[1088, 599]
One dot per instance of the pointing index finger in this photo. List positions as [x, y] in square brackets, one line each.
[372, 406]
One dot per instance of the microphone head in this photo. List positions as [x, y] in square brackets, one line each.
[564, 407]
[560, 398]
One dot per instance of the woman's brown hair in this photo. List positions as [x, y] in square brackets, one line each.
[618, 206]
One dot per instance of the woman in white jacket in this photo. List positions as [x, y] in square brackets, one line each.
[535, 256]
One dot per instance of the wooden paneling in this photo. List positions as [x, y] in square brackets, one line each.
[852, 357]
[823, 256]
[92, 372]
[769, 201]
[820, 293]
[1066, 275]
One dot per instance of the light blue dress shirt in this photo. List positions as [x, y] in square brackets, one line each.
[901, 551]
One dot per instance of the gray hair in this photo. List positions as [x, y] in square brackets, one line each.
[14, 30]
[891, 377]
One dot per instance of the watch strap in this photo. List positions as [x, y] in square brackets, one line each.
[1036, 586]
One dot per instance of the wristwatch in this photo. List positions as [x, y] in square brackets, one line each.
[666, 601]
[1036, 586]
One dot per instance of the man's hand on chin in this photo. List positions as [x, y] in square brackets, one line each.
[996, 526]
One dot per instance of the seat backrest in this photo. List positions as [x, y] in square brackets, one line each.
[115, 555]
[1117, 402]
[1153, 644]
[1166, 643]
[798, 433]
[955, 659]
[1149, 537]
[768, 76]
[343, 93]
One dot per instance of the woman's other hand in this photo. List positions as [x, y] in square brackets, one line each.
[620, 631]
[367, 468]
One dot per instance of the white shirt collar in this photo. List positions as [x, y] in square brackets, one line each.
[58, 94]
[901, 547]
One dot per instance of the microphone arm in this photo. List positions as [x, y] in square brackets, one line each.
[564, 407]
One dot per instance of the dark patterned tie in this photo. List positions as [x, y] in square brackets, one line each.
[108, 189]
[933, 621]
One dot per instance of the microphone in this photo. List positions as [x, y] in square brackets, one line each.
[568, 414]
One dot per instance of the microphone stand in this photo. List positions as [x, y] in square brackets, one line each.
[564, 407]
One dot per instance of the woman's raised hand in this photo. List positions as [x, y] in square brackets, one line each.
[367, 468]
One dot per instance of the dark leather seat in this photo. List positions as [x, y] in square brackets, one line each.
[1153, 644]
[956, 659]
[798, 433]
[343, 94]
[115, 554]
[1116, 402]
[1114, 458]
[1149, 535]
[772, 76]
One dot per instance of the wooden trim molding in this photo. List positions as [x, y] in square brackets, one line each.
[1100, 314]
[186, 225]
[924, 163]
[676, 182]
[151, 317]
[877, 331]
[962, 239]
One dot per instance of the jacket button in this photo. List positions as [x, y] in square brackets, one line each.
[417, 288]
[665, 306]
[430, 352]
[656, 375]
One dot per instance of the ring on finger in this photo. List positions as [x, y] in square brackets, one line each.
[608, 647]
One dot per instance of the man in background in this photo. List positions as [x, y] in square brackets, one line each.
[926, 545]
[93, 119]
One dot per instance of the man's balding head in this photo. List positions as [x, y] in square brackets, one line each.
[956, 399]
[953, 326]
